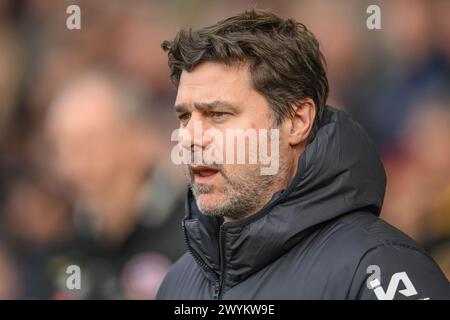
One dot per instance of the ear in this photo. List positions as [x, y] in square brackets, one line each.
[302, 122]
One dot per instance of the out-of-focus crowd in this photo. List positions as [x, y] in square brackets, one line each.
[86, 117]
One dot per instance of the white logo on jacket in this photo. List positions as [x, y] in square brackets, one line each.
[373, 283]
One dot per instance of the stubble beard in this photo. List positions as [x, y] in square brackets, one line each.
[242, 195]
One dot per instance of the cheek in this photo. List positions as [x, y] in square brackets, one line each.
[240, 172]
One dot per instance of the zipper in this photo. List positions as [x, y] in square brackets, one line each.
[202, 263]
[222, 263]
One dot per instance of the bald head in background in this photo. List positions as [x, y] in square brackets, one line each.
[99, 128]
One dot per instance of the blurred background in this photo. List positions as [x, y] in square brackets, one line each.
[86, 117]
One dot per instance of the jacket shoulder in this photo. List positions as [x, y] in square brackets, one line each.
[390, 265]
[372, 231]
[338, 259]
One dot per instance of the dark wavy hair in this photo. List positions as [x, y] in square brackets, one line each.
[285, 62]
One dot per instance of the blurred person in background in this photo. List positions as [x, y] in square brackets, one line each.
[419, 176]
[106, 147]
[10, 279]
[36, 223]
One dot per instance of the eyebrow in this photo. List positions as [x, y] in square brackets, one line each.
[207, 106]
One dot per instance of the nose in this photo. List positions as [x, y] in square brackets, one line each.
[191, 137]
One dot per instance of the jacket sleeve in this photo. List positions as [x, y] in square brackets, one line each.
[397, 272]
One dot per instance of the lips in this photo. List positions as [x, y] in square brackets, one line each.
[207, 173]
[203, 174]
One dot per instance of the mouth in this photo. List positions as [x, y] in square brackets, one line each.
[203, 174]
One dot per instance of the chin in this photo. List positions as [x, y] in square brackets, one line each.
[209, 202]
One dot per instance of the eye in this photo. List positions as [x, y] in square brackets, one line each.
[184, 117]
[218, 115]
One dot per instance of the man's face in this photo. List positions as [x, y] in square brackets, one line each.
[219, 97]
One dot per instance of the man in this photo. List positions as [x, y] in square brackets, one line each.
[308, 231]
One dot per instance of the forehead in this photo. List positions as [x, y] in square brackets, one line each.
[211, 81]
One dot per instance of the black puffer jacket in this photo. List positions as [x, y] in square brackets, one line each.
[320, 238]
